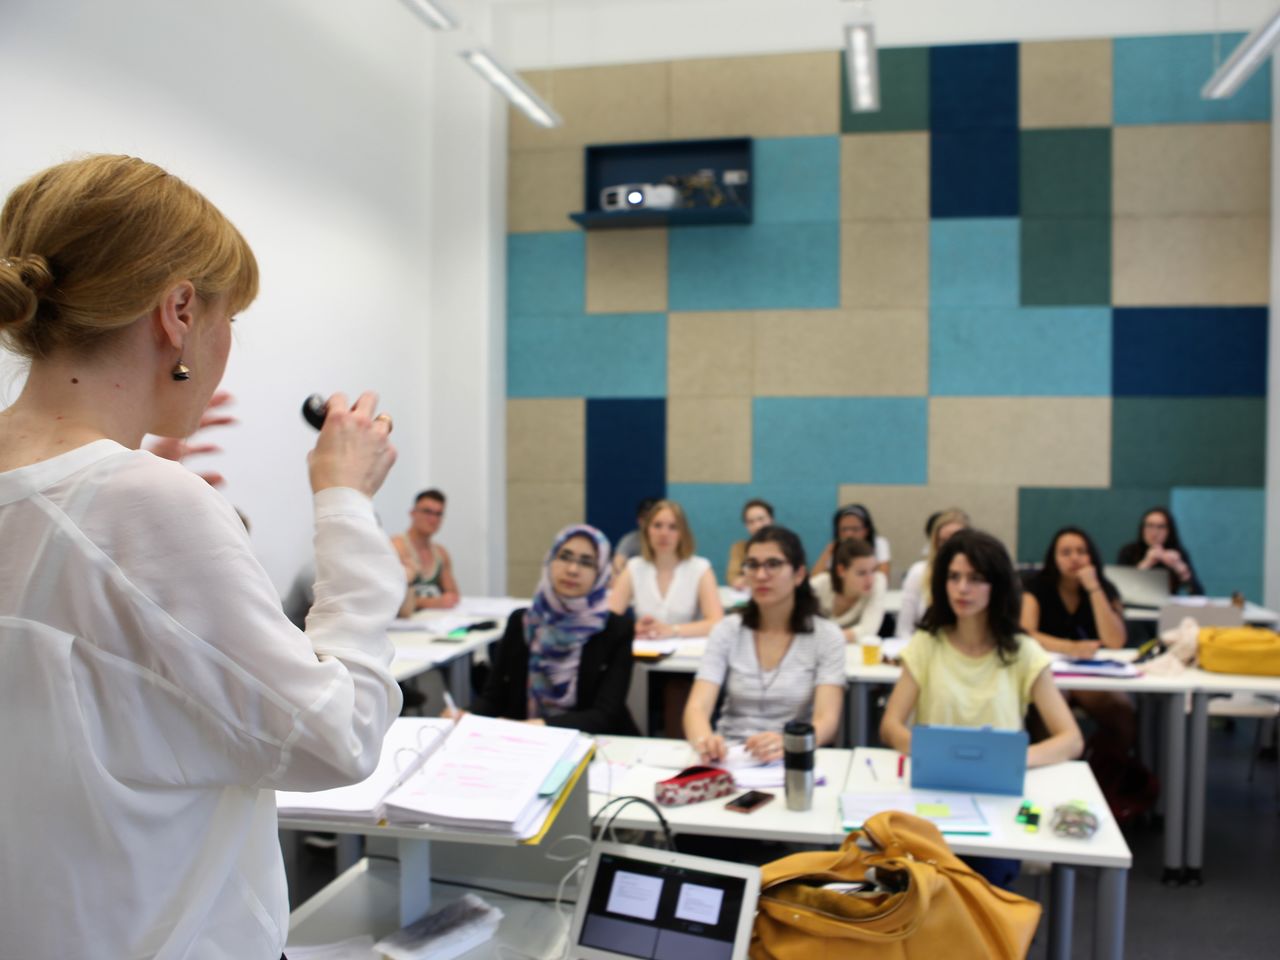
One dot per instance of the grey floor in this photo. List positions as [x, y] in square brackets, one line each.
[1235, 914]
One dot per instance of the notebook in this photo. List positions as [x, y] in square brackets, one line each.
[956, 814]
[972, 759]
[638, 902]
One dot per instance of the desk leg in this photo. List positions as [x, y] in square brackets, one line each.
[350, 850]
[1175, 785]
[459, 680]
[859, 710]
[1196, 785]
[1108, 913]
[638, 697]
[1062, 904]
[414, 857]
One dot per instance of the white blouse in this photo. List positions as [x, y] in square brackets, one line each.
[155, 696]
[680, 604]
[913, 605]
[866, 616]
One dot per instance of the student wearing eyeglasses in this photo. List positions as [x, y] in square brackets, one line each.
[566, 660]
[777, 661]
[428, 570]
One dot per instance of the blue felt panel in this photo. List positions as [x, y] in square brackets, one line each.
[839, 439]
[973, 173]
[1020, 352]
[1190, 351]
[765, 266]
[1223, 530]
[715, 509]
[546, 272]
[973, 263]
[797, 180]
[1158, 80]
[626, 460]
[603, 355]
[975, 85]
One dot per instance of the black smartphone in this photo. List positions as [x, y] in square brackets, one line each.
[749, 802]
[313, 410]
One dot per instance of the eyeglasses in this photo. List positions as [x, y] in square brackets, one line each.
[429, 512]
[770, 566]
[574, 560]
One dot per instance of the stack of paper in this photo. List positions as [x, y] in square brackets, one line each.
[1094, 668]
[408, 744]
[955, 813]
[490, 775]
[748, 772]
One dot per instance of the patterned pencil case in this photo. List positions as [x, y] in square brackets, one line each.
[693, 785]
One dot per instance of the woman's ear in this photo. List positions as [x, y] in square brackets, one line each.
[802, 573]
[175, 314]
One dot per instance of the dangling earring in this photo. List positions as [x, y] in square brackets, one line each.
[181, 371]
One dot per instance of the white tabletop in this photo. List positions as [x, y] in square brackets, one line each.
[773, 821]
[422, 643]
[1045, 786]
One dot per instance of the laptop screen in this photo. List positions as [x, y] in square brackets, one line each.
[663, 911]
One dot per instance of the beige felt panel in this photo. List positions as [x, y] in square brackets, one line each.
[1020, 441]
[536, 512]
[615, 104]
[781, 95]
[710, 354]
[1065, 84]
[709, 440]
[884, 176]
[842, 353]
[543, 188]
[522, 578]
[1190, 261]
[884, 263]
[627, 271]
[1211, 168]
[901, 510]
[546, 439]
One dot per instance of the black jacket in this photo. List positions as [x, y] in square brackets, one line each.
[604, 674]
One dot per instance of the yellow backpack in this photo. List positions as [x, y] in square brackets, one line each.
[1251, 650]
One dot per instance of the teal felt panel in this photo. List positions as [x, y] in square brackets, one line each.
[1027, 352]
[1179, 441]
[764, 266]
[1066, 261]
[840, 439]
[797, 180]
[715, 510]
[575, 355]
[1110, 517]
[1065, 173]
[1224, 531]
[973, 263]
[904, 93]
[546, 272]
[1158, 80]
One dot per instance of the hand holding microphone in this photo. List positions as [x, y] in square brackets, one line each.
[353, 449]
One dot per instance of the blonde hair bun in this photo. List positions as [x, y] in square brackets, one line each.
[23, 280]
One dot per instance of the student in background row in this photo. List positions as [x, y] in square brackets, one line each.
[916, 588]
[853, 522]
[427, 567]
[566, 660]
[673, 591]
[755, 515]
[852, 594]
[629, 543]
[1159, 547]
[777, 661]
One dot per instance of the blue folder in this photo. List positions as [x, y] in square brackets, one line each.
[972, 759]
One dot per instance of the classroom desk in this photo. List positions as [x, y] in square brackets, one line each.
[1046, 786]
[420, 646]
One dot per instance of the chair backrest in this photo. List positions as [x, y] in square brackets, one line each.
[1204, 614]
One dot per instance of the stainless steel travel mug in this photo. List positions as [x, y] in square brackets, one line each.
[798, 742]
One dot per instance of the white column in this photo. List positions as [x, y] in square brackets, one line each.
[1271, 541]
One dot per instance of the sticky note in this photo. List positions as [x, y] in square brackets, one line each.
[933, 810]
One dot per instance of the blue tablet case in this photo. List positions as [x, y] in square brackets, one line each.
[973, 759]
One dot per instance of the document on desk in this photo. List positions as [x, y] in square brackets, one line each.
[488, 775]
[682, 647]
[952, 813]
[407, 745]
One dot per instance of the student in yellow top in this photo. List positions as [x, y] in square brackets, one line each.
[970, 664]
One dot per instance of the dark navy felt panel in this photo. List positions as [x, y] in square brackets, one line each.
[973, 173]
[973, 86]
[1189, 351]
[626, 460]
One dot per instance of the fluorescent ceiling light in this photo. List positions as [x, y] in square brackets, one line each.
[862, 66]
[1244, 60]
[437, 16]
[522, 96]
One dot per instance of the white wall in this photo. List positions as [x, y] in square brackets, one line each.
[310, 126]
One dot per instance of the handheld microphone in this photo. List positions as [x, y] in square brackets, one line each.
[314, 409]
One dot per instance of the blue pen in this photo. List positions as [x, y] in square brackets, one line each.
[872, 767]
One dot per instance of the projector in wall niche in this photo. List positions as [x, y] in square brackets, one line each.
[639, 196]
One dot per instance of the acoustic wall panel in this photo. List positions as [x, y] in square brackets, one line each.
[1158, 80]
[1200, 169]
[1065, 84]
[797, 180]
[599, 105]
[1065, 173]
[884, 176]
[626, 460]
[884, 263]
[973, 173]
[543, 188]
[973, 263]
[973, 86]
[1224, 532]
[1110, 517]
[782, 95]
[546, 272]
[709, 439]
[546, 440]
[575, 355]
[1191, 261]
[904, 93]
[710, 354]
[1065, 261]
[1189, 441]
[1190, 351]
[626, 271]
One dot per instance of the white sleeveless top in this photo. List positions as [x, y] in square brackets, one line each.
[680, 605]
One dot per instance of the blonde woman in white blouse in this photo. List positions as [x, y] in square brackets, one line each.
[852, 594]
[673, 591]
